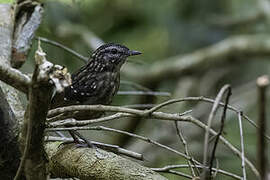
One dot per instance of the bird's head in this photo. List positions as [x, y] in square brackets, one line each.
[112, 54]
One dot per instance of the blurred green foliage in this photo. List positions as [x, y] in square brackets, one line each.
[6, 1]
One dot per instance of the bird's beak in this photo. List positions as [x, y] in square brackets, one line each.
[133, 53]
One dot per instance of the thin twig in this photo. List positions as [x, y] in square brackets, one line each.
[74, 53]
[144, 93]
[209, 123]
[243, 164]
[113, 148]
[101, 108]
[74, 122]
[156, 115]
[208, 100]
[165, 168]
[217, 168]
[223, 117]
[182, 139]
[102, 128]
[229, 145]
[54, 112]
[140, 106]
[177, 173]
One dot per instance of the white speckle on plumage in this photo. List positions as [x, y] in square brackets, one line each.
[75, 91]
[82, 94]
[71, 87]
[93, 84]
[65, 99]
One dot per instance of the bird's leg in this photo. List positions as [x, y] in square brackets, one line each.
[75, 138]
[74, 135]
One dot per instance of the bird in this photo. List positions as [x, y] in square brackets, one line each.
[96, 82]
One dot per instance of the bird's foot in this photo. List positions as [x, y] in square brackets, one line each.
[78, 142]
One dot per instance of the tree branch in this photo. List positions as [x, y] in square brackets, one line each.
[14, 78]
[92, 163]
[112, 148]
[222, 123]
[11, 111]
[209, 124]
[33, 161]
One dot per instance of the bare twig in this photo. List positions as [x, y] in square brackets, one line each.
[209, 123]
[101, 108]
[176, 173]
[262, 84]
[140, 106]
[223, 117]
[182, 139]
[63, 121]
[230, 146]
[156, 115]
[74, 122]
[102, 128]
[145, 93]
[113, 148]
[166, 168]
[203, 99]
[74, 53]
[217, 168]
[243, 164]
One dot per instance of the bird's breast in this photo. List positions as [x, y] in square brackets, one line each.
[107, 86]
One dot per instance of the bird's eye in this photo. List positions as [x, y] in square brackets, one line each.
[113, 51]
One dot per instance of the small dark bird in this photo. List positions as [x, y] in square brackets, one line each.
[97, 81]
